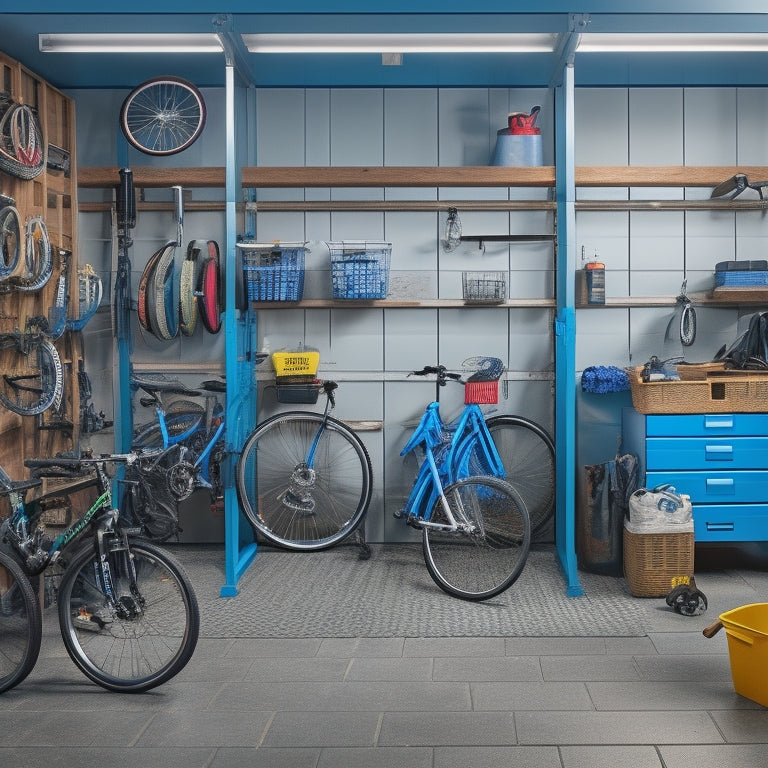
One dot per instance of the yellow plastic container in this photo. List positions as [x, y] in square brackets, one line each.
[747, 630]
[302, 363]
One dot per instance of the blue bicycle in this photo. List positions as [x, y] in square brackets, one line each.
[179, 453]
[476, 531]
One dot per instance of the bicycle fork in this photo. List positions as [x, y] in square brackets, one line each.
[113, 549]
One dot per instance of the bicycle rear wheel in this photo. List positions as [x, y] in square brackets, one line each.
[32, 382]
[152, 636]
[21, 624]
[292, 504]
[163, 116]
[528, 454]
[488, 552]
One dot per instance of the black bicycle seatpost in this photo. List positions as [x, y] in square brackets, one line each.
[126, 202]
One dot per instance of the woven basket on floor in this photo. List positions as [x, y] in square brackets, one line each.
[655, 562]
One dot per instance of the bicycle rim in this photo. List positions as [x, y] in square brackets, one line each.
[291, 505]
[528, 454]
[136, 652]
[12, 244]
[20, 624]
[483, 562]
[33, 382]
[163, 116]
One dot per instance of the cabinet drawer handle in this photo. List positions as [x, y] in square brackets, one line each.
[720, 526]
[718, 422]
[722, 485]
[718, 452]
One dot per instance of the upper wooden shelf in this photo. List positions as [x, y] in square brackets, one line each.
[420, 176]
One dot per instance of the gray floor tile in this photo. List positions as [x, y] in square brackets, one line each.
[205, 729]
[98, 757]
[447, 728]
[624, 646]
[454, 646]
[697, 694]
[677, 643]
[610, 757]
[248, 757]
[554, 646]
[743, 726]
[592, 728]
[379, 757]
[390, 669]
[349, 697]
[726, 756]
[586, 668]
[530, 696]
[269, 647]
[349, 647]
[322, 729]
[684, 668]
[297, 670]
[496, 757]
[490, 669]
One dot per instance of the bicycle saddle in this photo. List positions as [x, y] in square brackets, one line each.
[158, 384]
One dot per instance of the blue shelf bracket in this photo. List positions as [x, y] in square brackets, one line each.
[565, 334]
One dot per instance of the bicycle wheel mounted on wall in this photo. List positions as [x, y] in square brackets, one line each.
[163, 115]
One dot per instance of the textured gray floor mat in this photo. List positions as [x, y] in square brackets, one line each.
[335, 594]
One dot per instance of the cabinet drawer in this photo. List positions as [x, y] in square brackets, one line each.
[730, 522]
[705, 452]
[745, 486]
[693, 425]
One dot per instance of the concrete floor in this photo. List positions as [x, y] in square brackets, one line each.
[664, 699]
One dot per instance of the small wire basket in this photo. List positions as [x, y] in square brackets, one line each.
[484, 287]
[360, 269]
[273, 272]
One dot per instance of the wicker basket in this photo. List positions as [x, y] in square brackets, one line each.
[739, 392]
[655, 562]
[698, 371]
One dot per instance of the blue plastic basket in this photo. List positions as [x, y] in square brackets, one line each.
[360, 269]
[738, 278]
[273, 273]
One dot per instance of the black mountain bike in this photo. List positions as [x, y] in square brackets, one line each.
[127, 611]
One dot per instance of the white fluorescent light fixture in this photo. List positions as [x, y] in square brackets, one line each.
[401, 43]
[671, 42]
[130, 43]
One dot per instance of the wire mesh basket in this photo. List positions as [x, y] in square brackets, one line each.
[360, 269]
[273, 272]
[484, 287]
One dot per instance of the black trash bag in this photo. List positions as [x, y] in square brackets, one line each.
[600, 523]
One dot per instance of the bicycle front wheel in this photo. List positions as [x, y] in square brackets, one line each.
[21, 624]
[528, 455]
[487, 553]
[163, 116]
[300, 504]
[32, 382]
[150, 631]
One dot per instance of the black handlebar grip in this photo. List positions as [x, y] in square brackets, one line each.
[126, 200]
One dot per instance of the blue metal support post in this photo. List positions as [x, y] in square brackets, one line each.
[565, 334]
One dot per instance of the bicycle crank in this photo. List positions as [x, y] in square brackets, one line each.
[181, 480]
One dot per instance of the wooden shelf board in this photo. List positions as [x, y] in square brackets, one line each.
[397, 303]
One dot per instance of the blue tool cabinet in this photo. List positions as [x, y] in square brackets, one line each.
[720, 460]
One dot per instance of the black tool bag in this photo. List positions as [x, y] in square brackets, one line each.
[750, 350]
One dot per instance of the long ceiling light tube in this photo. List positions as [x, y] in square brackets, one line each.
[672, 42]
[129, 43]
[401, 43]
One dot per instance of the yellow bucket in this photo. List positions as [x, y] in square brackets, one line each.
[747, 630]
[302, 363]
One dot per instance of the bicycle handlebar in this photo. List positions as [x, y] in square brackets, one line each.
[440, 371]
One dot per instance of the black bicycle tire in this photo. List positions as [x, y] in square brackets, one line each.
[132, 109]
[151, 436]
[21, 623]
[530, 470]
[14, 265]
[39, 257]
[462, 545]
[78, 583]
[288, 449]
[11, 164]
[51, 385]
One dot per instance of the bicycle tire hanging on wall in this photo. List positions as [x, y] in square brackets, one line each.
[163, 115]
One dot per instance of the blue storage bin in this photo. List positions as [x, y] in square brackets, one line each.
[738, 278]
[273, 272]
[360, 269]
